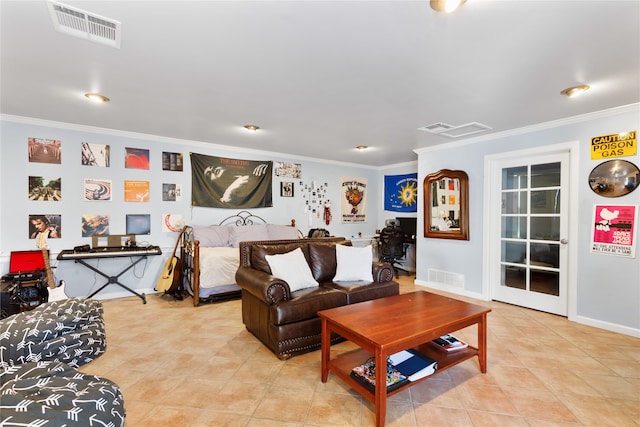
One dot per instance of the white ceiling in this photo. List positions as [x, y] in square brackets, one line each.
[320, 77]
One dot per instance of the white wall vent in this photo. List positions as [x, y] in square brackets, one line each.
[86, 25]
[452, 280]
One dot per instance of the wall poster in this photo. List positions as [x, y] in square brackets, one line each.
[219, 182]
[614, 228]
[354, 200]
[401, 192]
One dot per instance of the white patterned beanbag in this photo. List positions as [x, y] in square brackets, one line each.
[55, 394]
[69, 331]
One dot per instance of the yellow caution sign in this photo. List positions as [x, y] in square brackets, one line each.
[614, 145]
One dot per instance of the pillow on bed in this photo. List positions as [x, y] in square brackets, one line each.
[292, 267]
[281, 232]
[212, 236]
[248, 232]
[353, 264]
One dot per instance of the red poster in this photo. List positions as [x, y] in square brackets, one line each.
[614, 229]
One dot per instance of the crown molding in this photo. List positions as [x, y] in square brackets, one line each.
[533, 128]
[189, 143]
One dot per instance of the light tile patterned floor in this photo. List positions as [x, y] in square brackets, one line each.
[183, 366]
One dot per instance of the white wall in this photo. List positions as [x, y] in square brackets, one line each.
[15, 206]
[608, 287]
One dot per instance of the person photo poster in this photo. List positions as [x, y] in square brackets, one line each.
[614, 228]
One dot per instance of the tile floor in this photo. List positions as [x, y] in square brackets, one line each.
[183, 366]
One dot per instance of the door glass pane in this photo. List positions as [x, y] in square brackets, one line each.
[545, 255]
[545, 175]
[514, 227]
[545, 201]
[545, 282]
[514, 202]
[513, 277]
[513, 178]
[545, 228]
[513, 252]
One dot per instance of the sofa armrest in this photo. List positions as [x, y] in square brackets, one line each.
[262, 285]
[382, 272]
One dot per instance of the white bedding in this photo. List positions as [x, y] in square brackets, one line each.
[218, 266]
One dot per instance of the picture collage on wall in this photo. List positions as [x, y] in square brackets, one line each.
[49, 188]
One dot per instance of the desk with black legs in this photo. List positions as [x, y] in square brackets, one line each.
[136, 254]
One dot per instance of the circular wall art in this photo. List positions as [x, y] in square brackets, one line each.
[614, 178]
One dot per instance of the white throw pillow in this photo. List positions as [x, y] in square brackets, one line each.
[353, 264]
[292, 267]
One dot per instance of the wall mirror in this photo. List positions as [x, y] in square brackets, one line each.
[614, 178]
[446, 205]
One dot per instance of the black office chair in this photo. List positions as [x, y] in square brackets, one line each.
[392, 247]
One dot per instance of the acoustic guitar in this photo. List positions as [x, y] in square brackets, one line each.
[56, 293]
[170, 277]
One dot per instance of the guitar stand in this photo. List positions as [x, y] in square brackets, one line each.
[114, 279]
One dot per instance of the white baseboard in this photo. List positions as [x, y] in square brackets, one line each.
[613, 327]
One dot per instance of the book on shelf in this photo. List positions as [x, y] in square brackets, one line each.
[413, 364]
[366, 375]
[449, 343]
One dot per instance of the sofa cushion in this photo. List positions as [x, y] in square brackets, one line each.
[292, 267]
[353, 264]
[305, 304]
[322, 260]
[364, 291]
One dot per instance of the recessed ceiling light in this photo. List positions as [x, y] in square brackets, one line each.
[361, 147]
[252, 128]
[446, 6]
[96, 97]
[575, 90]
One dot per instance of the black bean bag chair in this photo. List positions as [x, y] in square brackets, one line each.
[69, 331]
[50, 393]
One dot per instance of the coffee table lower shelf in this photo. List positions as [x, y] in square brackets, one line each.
[342, 365]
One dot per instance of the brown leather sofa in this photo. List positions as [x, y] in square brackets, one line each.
[285, 321]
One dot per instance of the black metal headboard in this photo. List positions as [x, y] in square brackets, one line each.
[242, 218]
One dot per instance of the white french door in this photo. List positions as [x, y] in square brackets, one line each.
[528, 231]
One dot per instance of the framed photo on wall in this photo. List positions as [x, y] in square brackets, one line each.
[286, 189]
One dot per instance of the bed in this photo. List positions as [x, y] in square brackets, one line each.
[210, 254]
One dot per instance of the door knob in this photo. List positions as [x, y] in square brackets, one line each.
[564, 241]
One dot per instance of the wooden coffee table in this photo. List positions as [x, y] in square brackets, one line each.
[385, 326]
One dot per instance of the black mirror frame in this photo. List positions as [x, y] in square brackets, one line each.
[463, 178]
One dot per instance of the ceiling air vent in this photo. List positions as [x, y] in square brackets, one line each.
[86, 25]
[436, 127]
[455, 131]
